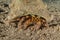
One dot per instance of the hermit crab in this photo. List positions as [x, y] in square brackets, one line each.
[31, 22]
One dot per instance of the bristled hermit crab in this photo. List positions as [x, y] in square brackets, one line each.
[32, 22]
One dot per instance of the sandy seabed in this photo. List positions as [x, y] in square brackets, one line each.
[10, 32]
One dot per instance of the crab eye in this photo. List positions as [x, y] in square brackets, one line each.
[35, 15]
[28, 15]
[42, 18]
